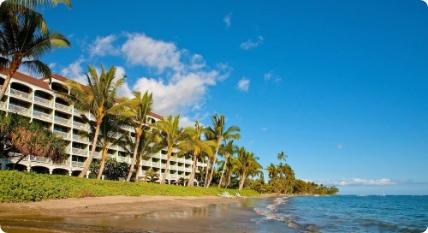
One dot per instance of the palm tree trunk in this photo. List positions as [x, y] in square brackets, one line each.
[5, 84]
[167, 165]
[242, 181]
[222, 172]
[134, 157]
[91, 156]
[192, 176]
[103, 162]
[228, 180]
[137, 165]
[213, 166]
[207, 172]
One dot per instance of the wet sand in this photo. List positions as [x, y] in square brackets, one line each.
[127, 214]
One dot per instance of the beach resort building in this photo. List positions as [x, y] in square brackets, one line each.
[37, 99]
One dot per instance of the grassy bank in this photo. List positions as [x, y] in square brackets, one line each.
[29, 186]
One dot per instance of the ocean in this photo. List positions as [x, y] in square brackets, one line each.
[255, 215]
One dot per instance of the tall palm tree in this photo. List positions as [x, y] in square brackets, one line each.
[23, 44]
[247, 164]
[220, 133]
[194, 144]
[227, 149]
[99, 98]
[150, 143]
[272, 171]
[172, 135]
[108, 127]
[35, 3]
[139, 107]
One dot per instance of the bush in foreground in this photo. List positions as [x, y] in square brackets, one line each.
[29, 187]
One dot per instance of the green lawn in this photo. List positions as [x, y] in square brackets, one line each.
[18, 186]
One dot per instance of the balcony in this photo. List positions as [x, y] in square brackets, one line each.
[42, 115]
[146, 163]
[38, 159]
[20, 94]
[80, 125]
[43, 101]
[80, 138]
[19, 109]
[3, 105]
[79, 151]
[77, 164]
[163, 165]
[79, 112]
[63, 107]
[62, 134]
[63, 121]
[124, 159]
[188, 169]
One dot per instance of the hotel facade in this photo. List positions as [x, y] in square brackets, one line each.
[37, 100]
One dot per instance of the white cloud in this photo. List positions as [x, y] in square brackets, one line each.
[244, 84]
[103, 46]
[182, 79]
[227, 20]
[360, 182]
[75, 72]
[51, 65]
[142, 50]
[268, 76]
[249, 44]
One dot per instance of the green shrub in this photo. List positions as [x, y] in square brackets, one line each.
[18, 186]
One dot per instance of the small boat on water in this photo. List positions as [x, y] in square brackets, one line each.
[383, 194]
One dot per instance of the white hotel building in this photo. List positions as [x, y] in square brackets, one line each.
[37, 100]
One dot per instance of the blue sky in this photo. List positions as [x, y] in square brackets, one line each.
[339, 86]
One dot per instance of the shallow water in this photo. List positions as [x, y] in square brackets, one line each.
[290, 215]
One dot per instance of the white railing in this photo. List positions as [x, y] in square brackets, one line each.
[79, 125]
[79, 151]
[43, 101]
[163, 165]
[19, 109]
[62, 134]
[62, 120]
[42, 114]
[146, 163]
[39, 159]
[77, 164]
[188, 169]
[21, 94]
[80, 138]
[63, 107]
[3, 105]
[79, 112]
[157, 156]
[124, 159]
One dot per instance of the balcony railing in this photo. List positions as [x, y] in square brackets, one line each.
[146, 163]
[3, 105]
[21, 94]
[80, 138]
[62, 120]
[19, 109]
[64, 135]
[80, 125]
[39, 159]
[79, 112]
[42, 115]
[124, 159]
[63, 107]
[80, 151]
[45, 102]
[77, 164]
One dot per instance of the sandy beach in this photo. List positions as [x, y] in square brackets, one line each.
[121, 214]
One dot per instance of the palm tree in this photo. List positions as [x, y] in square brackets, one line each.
[282, 156]
[246, 164]
[35, 3]
[220, 133]
[227, 149]
[23, 44]
[172, 135]
[99, 98]
[108, 127]
[272, 171]
[151, 176]
[139, 107]
[193, 143]
[150, 143]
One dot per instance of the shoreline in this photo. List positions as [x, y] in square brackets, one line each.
[154, 213]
